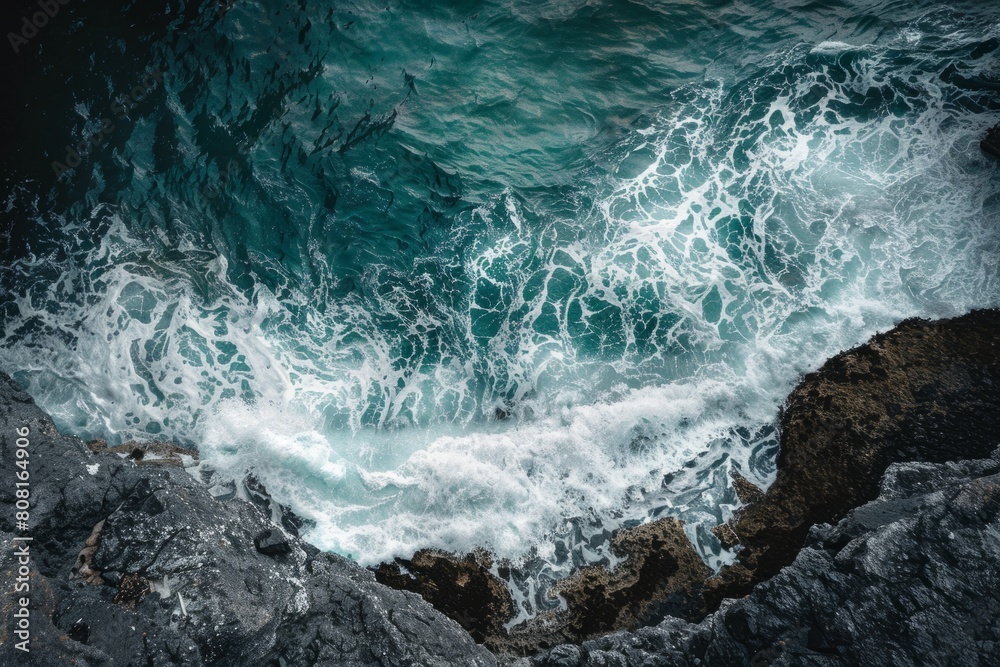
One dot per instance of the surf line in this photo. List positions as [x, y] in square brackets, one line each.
[76, 154]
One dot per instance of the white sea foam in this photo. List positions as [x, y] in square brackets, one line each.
[642, 347]
[832, 47]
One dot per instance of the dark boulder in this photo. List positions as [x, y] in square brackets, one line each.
[461, 587]
[272, 543]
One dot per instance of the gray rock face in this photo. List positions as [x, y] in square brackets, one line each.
[176, 575]
[912, 578]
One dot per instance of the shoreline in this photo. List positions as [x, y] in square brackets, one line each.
[131, 557]
[920, 392]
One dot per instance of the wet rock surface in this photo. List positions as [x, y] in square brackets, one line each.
[925, 391]
[878, 543]
[661, 575]
[991, 142]
[463, 588]
[908, 579]
[174, 576]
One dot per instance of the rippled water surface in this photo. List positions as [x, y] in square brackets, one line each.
[503, 274]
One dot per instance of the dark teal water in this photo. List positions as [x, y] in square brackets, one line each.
[503, 274]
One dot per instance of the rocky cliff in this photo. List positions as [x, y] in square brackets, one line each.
[922, 392]
[878, 543]
[132, 561]
[911, 578]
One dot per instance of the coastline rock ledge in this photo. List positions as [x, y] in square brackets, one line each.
[879, 541]
[877, 544]
[132, 561]
[884, 413]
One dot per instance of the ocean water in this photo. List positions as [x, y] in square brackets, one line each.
[500, 274]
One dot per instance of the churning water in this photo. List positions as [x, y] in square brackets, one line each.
[507, 274]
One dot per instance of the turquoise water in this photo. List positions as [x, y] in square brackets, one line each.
[506, 274]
